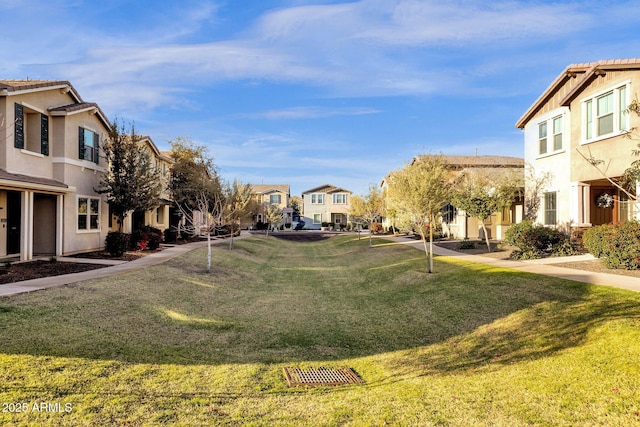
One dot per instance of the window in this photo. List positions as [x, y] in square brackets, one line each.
[88, 213]
[31, 130]
[604, 115]
[542, 137]
[317, 218]
[275, 199]
[555, 124]
[88, 145]
[317, 199]
[550, 212]
[339, 199]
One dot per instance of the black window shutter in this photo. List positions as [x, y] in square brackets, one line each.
[44, 134]
[19, 127]
[96, 148]
[81, 143]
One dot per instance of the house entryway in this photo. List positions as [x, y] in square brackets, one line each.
[44, 224]
[14, 216]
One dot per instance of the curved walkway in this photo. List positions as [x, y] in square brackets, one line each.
[142, 262]
[544, 267]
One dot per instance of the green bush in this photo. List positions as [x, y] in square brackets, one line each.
[466, 244]
[117, 243]
[617, 243]
[537, 241]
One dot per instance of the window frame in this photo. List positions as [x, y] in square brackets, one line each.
[279, 199]
[551, 136]
[317, 221]
[591, 117]
[337, 196]
[83, 147]
[90, 217]
[549, 212]
[317, 199]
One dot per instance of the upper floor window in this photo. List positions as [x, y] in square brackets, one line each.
[550, 143]
[340, 199]
[88, 145]
[275, 199]
[604, 115]
[31, 130]
[317, 199]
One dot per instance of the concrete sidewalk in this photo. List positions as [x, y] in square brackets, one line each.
[544, 267]
[120, 267]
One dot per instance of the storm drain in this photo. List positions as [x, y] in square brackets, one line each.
[321, 376]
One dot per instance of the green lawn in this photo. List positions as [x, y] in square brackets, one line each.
[467, 345]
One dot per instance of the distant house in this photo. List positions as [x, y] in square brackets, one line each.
[584, 110]
[456, 223]
[161, 216]
[50, 165]
[267, 195]
[326, 204]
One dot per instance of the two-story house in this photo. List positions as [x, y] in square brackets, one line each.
[265, 195]
[326, 204]
[583, 115]
[50, 165]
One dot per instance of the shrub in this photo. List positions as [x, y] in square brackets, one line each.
[146, 237]
[617, 243]
[537, 241]
[466, 244]
[117, 243]
[375, 227]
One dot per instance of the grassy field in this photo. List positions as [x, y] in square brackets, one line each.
[175, 345]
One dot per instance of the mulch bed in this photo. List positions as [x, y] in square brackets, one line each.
[38, 269]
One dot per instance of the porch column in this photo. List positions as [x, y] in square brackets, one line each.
[59, 224]
[636, 205]
[26, 238]
[579, 203]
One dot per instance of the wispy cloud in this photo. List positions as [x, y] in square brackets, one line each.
[309, 113]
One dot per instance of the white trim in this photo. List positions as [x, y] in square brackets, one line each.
[89, 230]
[31, 107]
[71, 113]
[32, 90]
[616, 113]
[80, 163]
[32, 153]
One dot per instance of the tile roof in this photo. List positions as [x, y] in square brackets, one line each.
[481, 161]
[327, 188]
[19, 178]
[585, 72]
[30, 85]
[269, 188]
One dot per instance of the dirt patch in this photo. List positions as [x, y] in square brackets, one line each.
[498, 250]
[302, 237]
[38, 269]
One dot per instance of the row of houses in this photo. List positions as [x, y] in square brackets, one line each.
[50, 165]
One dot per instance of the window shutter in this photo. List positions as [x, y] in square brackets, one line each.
[96, 148]
[44, 134]
[19, 127]
[81, 143]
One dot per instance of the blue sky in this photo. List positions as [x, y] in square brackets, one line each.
[309, 92]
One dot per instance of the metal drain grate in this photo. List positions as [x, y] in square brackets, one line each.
[321, 376]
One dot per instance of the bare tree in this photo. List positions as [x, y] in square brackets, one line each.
[237, 204]
[367, 208]
[535, 184]
[273, 216]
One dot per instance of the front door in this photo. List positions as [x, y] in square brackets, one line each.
[14, 214]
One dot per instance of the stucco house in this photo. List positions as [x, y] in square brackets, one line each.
[326, 204]
[50, 164]
[456, 223]
[269, 195]
[583, 114]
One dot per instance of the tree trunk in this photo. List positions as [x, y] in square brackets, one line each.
[208, 251]
[426, 251]
[431, 248]
[486, 236]
[231, 241]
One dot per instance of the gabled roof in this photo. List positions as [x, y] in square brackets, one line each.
[8, 87]
[16, 87]
[164, 155]
[270, 188]
[459, 162]
[585, 72]
[327, 188]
